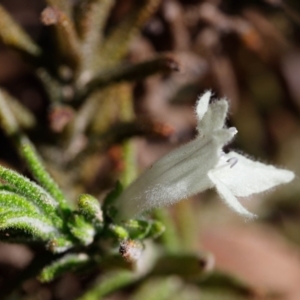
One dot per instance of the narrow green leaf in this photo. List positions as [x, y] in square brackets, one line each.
[41, 175]
[108, 284]
[158, 289]
[142, 229]
[157, 229]
[110, 198]
[89, 207]
[119, 232]
[222, 281]
[32, 191]
[15, 202]
[169, 237]
[82, 230]
[188, 266]
[8, 188]
[60, 243]
[70, 262]
[16, 226]
[137, 229]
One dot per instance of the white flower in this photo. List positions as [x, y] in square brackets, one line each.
[200, 165]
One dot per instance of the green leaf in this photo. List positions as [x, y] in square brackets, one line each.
[69, 262]
[142, 229]
[188, 266]
[82, 230]
[118, 231]
[109, 283]
[33, 192]
[41, 175]
[158, 289]
[156, 229]
[221, 281]
[15, 202]
[112, 195]
[110, 198]
[169, 237]
[61, 243]
[8, 188]
[89, 208]
[17, 226]
[137, 229]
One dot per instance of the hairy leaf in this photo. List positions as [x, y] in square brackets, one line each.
[89, 207]
[16, 226]
[82, 230]
[32, 191]
[69, 262]
[15, 202]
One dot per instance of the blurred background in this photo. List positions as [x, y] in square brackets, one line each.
[246, 51]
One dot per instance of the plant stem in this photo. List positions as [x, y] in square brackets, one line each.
[169, 237]
[109, 284]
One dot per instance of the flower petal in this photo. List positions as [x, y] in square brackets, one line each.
[228, 197]
[176, 176]
[202, 104]
[214, 118]
[247, 177]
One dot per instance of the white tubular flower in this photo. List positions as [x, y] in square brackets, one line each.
[200, 165]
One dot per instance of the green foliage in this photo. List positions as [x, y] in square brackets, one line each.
[68, 263]
[110, 283]
[109, 199]
[23, 226]
[28, 211]
[89, 207]
[39, 173]
[31, 214]
[186, 266]
[165, 288]
[14, 202]
[141, 229]
[81, 229]
[29, 189]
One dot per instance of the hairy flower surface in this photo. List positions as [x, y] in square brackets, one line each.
[200, 165]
